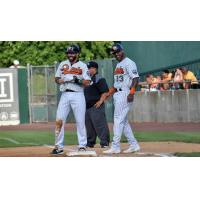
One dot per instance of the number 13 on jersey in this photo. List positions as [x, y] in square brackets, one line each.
[119, 78]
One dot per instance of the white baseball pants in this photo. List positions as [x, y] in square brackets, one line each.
[121, 124]
[76, 101]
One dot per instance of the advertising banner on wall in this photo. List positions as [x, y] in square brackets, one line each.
[9, 101]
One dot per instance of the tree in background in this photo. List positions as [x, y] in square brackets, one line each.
[47, 52]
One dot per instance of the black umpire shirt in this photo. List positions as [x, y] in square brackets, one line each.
[93, 92]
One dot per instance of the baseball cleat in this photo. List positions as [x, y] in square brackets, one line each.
[132, 149]
[112, 151]
[57, 151]
[104, 146]
[81, 149]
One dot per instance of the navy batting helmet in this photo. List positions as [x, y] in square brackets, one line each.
[116, 48]
[74, 48]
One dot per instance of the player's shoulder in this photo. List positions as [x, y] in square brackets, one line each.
[129, 61]
[64, 62]
[81, 63]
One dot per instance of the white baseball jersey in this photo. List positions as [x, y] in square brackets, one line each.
[125, 71]
[67, 71]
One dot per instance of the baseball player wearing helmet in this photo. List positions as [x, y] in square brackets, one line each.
[125, 81]
[72, 75]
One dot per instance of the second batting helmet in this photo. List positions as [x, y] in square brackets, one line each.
[116, 48]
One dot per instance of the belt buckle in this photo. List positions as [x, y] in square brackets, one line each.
[68, 90]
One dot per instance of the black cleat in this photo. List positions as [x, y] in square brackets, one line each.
[81, 149]
[57, 151]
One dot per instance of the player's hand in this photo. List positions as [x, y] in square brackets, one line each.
[130, 97]
[76, 80]
[98, 104]
[61, 81]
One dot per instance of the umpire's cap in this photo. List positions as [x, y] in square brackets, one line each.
[92, 64]
[116, 48]
[74, 48]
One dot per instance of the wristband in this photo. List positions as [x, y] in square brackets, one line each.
[132, 91]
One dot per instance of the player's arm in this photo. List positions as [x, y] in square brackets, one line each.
[58, 80]
[86, 77]
[86, 80]
[105, 96]
[133, 73]
[134, 85]
[82, 82]
[108, 94]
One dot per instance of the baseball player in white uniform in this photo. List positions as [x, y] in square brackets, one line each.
[125, 81]
[72, 75]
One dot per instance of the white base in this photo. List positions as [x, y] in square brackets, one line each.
[81, 153]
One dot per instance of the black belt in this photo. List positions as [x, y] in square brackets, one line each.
[67, 90]
[120, 89]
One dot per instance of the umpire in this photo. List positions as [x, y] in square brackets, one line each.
[95, 118]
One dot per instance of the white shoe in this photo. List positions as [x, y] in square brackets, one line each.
[111, 151]
[132, 149]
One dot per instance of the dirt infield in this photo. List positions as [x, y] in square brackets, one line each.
[155, 149]
[184, 127]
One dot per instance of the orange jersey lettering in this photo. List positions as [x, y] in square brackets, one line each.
[119, 70]
[73, 70]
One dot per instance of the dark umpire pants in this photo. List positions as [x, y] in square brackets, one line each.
[96, 125]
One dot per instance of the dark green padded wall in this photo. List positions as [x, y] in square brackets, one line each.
[23, 96]
[150, 55]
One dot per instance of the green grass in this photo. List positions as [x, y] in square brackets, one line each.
[35, 138]
[169, 136]
[191, 154]
[32, 138]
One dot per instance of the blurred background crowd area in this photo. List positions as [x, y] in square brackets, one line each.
[180, 78]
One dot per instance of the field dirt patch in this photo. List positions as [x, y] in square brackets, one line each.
[155, 149]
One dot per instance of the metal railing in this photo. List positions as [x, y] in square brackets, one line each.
[173, 85]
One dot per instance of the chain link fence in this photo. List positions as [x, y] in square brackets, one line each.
[42, 93]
